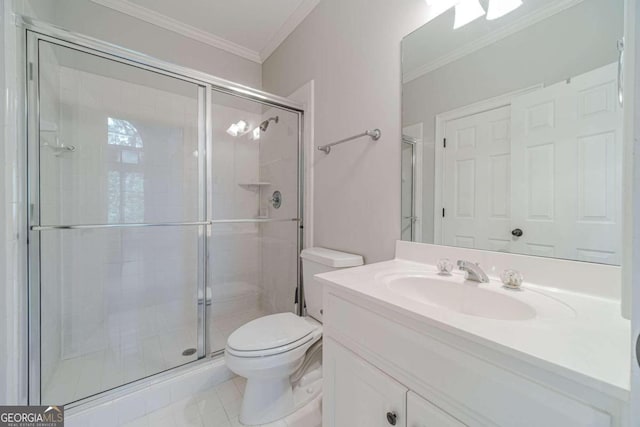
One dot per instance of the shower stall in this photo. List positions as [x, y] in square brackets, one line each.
[164, 212]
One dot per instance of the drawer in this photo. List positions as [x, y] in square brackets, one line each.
[501, 397]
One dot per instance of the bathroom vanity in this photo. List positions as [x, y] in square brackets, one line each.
[405, 346]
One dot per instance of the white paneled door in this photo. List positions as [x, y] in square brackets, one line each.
[476, 181]
[566, 169]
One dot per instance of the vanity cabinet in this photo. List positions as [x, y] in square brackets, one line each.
[379, 362]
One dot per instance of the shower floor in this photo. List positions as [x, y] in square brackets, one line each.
[137, 357]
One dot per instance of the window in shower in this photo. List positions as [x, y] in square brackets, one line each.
[125, 177]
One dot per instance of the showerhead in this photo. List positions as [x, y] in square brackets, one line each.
[264, 125]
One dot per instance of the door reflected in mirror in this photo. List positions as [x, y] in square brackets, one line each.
[512, 131]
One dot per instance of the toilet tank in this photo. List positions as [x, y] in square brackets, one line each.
[321, 260]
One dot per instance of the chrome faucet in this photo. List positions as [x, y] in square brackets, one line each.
[474, 272]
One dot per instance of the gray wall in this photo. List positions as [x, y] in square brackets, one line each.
[352, 51]
[97, 21]
[543, 53]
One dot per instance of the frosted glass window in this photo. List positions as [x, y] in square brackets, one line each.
[121, 132]
[125, 185]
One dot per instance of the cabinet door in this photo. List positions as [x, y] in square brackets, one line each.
[358, 395]
[422, 413]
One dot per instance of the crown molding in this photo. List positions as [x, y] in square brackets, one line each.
[494, 36]
[296, 18]
[163, 21]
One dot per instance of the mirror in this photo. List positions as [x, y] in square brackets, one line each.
[512, 131]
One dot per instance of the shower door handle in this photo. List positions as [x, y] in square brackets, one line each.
[207, 300]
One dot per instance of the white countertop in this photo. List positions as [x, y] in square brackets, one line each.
[590, 345]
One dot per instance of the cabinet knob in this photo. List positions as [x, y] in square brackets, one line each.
[517, 232]
[392, 418]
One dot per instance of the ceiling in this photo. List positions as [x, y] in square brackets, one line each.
[248, 28]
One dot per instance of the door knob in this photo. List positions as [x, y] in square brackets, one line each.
[392, 418]
[517, 232]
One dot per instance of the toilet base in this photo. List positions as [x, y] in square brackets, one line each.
[266, 400]
[258, 411]
[308, 415]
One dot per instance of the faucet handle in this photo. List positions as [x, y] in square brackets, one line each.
[512, 279]
[445, 267]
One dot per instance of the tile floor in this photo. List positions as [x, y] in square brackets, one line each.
[219, 407]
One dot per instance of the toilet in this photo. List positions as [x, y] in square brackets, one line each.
[268, 351]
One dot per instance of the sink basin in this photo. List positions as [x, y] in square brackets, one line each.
[488, 301]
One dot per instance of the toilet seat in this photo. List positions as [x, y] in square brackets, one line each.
[273, 335]
[272, 351]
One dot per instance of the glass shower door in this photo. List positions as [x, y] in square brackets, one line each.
[255, 202]
[118, 221]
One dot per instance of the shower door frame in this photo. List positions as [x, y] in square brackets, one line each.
[32, 32]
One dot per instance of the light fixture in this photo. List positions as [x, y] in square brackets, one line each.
[255, 134]
[239, 128]
[499, 8]
[242, 126]
[233, 130]
[466, 12]
[438, 7]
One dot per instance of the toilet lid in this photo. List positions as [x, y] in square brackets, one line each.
[269, 332]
